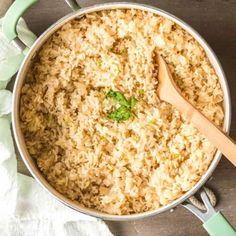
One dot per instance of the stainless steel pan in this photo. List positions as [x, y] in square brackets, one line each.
[214, 222]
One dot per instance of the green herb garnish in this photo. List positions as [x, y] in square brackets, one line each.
[152, 122]
[125, 111]
[119, 97]
[141, 91]
[133, 102]
[122, 113]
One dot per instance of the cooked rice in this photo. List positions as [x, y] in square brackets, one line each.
[136, 165]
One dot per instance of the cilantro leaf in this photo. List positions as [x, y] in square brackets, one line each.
[122, 113]
[133, 102]
[119, 97]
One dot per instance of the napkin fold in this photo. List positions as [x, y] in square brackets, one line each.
[26, 209]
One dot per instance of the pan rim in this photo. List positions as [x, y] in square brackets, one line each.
[20, 79]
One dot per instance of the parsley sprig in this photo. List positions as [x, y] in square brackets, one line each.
[125, 110]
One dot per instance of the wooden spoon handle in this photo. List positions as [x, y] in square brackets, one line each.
[215, 135]
[220, 139]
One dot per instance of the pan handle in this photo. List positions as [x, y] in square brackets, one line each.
[73, 5]
[13, 15]
[10, 21]
[214, 222]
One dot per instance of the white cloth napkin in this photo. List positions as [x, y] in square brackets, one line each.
[26, 209]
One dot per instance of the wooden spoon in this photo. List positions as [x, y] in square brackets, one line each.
[168, 91]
